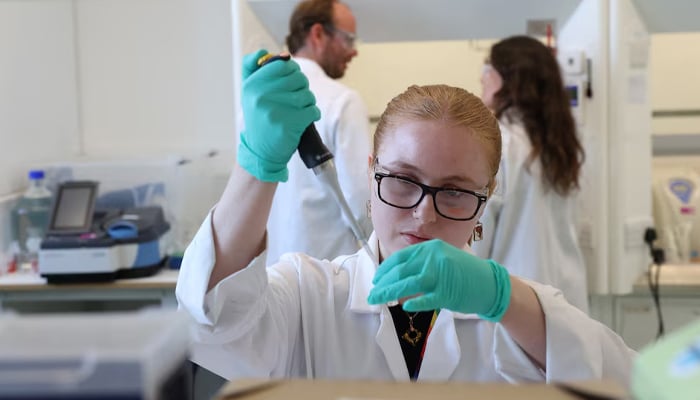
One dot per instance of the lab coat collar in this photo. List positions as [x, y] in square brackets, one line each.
[362, 282]
[309, 67]
[442, 353]
[512, 116]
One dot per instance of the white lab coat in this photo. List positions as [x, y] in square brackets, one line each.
[303, 317]
[529, 230]
[305, 216]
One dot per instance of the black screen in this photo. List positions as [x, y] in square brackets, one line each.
[73, 208]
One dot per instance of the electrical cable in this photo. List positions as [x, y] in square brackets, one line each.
[589, 79]
[653, 274]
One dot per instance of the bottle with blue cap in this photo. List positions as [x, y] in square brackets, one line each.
[29, 220]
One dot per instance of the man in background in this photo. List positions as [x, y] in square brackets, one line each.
[305, 216]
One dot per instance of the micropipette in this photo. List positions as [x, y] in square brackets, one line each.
[318, 158]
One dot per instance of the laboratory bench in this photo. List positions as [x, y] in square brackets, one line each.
[634, 315]
[29, 292]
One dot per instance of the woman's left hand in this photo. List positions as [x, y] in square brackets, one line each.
[438, 275]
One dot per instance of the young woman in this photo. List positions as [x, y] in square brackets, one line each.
[435, 157]
[529, 224]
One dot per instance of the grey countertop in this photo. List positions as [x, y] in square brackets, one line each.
[674, 279]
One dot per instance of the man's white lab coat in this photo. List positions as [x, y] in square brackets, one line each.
[531, 230]
[303, 317]
[305, 216]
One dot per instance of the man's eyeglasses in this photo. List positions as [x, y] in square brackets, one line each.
[349, 38]
[455, 204]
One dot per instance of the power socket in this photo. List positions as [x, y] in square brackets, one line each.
[635, 229]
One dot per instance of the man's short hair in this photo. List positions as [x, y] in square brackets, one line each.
[305, 15]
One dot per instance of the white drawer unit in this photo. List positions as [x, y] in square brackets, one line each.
[636, 317]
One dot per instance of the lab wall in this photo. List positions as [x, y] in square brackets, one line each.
[155, 75]
[397, 65]
[39, 111]
[112, 78]
[675, 86]
[674, 63]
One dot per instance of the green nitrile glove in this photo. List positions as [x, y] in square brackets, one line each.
[445, 277]
[277, 107]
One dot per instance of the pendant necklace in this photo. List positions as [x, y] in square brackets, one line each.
[412, 335]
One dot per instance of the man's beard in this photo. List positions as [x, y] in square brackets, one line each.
[331, 67]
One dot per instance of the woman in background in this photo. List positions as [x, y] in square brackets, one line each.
[529, 223]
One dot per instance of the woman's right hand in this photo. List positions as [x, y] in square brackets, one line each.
[277, 108]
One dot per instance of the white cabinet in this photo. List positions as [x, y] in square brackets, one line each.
[634, 315]
[636, 319]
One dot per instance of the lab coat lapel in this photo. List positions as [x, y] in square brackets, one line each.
[388, 341]
[362, 281]
[443, 352]
[386, 337]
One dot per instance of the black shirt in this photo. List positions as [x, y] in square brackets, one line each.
[412, 341]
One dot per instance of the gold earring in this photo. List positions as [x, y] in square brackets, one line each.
[478, 233]
[368, 206]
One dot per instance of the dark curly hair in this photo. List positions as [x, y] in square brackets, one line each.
[533, 87]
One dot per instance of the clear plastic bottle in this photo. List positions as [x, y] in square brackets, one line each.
[29, 220]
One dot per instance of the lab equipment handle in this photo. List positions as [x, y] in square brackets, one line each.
[312, 150]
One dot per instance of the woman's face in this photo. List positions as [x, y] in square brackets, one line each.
[434, 154]
[491, 82]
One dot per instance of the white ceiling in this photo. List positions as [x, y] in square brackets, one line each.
[424, 20]
[419, 20]
[670, 15]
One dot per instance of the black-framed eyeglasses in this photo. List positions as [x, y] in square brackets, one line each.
[455, 204]
[349, 38]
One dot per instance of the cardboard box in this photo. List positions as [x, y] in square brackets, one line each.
[370, 390]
